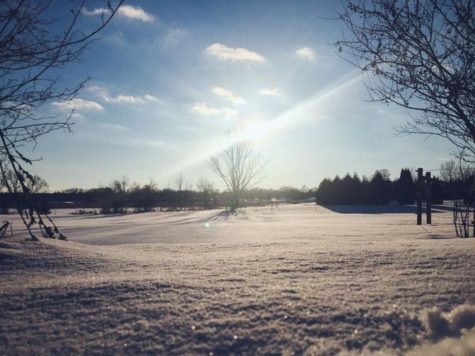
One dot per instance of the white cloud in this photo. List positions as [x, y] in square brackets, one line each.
[103, 94]
[127, 11]
[100, 92]
[77, 104]
[226, 53]
[228, 95]
[269, 92]
[77, 115]
[306, 53]
[96, 12]
[129, 99]
[205, 110]
[135, 13]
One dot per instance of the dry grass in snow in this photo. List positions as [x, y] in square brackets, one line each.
[298, 280]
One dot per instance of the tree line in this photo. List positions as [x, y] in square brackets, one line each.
[454, 182]
[121, 196]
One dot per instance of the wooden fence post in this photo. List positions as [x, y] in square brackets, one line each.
[420, 182]
[428, 198]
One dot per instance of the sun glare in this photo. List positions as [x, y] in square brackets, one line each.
[256, 131]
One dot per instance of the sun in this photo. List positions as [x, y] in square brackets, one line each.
[256, 131]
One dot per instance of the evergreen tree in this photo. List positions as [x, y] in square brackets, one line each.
[406, 189]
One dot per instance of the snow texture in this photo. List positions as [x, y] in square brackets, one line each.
[298, 279]
[441, 324]
[461, 346]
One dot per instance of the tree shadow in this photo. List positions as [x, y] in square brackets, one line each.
[441, 237]
[371, 209]
[383, 209]
[218, 217]
[102, 216]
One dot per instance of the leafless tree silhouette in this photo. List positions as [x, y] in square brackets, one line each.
[461, 178]
[180, 182]
[33, 52]
[239, 168]
[419, 55]
[34, 185]
[183, 191]
[208, 191]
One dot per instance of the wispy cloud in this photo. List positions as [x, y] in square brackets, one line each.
[77, 104]
[205, 110]
[76, 115]
[111, 126]
[306, 53]
[150, 97]
[128, 99]
[104, 95]
[127, 11]
[145, 142]
[225, 53]
[175, 35]
[229, 113]
[270, 92]
[228, 95]
[96, 12]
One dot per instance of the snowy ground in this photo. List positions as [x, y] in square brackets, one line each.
[298, 279]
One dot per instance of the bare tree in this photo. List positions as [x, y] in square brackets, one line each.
[239, 168]
[35, 185]
[205, 185]
[144, 197]
[207, 189]
[452, 171]
[419, 55]
[448, 171]
[121, 185]
[33, 50]
[181, 187]
[461, 180]
[117, 201]
[180, 182]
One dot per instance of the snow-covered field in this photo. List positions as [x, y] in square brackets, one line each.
[298, 279]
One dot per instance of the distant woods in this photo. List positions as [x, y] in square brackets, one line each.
[377, 190]
[453, 183]
[121, 196]
[9, 180]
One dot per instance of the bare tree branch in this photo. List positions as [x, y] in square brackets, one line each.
[32, 53]
[419, 55]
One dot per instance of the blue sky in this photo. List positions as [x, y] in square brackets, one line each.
[173, 82]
